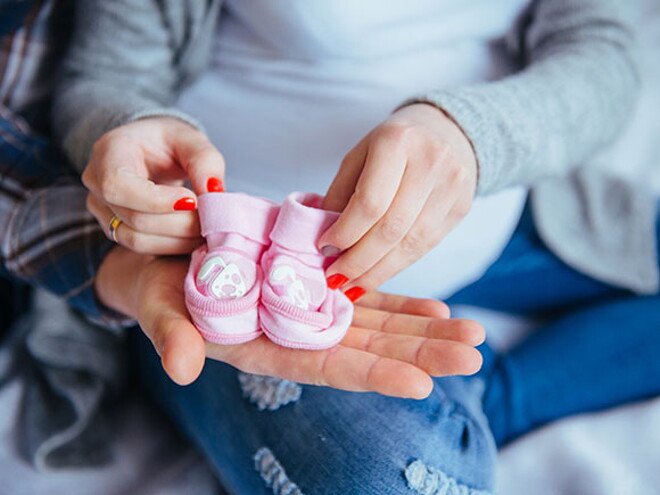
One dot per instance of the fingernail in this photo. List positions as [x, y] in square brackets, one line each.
[215, 185]
[185, 204]
[336, 281]
[329, 251]
[355, 293]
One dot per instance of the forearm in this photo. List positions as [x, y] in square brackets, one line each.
[572, 98]
[49, 240]
[107, 106]
[47, 236]
[122, 66]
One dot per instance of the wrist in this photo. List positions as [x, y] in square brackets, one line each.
[117, 280]
[165, 115]
[445, 128]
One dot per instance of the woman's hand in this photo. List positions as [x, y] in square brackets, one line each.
[137, 171]
[401, 190]
[393, 347]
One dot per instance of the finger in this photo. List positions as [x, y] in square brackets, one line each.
[117, 176]
[340, 367]
[428, 230]
[394, 303]
[375, 189]
[387, 232]
[201, 161]
[437, 357]
[343, 184]
[164, 319]
[181, 224]
[466, 331]
[183, 351]
[137, 241]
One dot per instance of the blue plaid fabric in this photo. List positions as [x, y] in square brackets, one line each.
[47, 236]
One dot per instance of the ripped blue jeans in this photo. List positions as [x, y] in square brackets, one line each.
[326, 441]
[597, 348]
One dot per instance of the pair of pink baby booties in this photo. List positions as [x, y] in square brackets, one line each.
[261, 272]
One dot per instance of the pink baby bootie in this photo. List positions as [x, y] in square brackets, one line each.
[297, 308]
[223, 284]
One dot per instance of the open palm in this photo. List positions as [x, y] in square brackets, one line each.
[394, 345]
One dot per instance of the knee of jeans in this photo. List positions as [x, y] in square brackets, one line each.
[471, 461]
[385, 446]
[373, 469]
[463, 452]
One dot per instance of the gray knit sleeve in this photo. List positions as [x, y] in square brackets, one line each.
[122, 66]
[574, 94]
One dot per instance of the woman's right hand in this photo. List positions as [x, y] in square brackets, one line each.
[137, 173]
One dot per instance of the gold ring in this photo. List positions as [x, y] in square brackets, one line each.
[112, 228]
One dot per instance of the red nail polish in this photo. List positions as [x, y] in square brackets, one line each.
[355, 293]
[215, 185]
[185, 204]
[336, 281]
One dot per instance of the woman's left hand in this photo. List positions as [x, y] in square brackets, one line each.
[401, 190]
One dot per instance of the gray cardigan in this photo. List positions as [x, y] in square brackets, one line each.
[539, 127]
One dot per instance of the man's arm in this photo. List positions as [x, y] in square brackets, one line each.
[47, 236]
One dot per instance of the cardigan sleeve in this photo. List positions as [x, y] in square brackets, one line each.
[124, 64]
[574, 93]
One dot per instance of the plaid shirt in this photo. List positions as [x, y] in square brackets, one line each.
[47, 236]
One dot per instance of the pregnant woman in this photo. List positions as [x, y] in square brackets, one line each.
[450, 110]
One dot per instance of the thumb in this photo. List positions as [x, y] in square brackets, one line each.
[183, 352]
[163, 317]
[201, 161]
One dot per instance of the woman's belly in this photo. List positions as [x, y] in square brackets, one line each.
[285, 125]
[274, 145]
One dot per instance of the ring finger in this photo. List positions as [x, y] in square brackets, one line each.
[181, 224]
[137, 241]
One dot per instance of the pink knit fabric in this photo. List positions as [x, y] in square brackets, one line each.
[223, 283]
[298, 310]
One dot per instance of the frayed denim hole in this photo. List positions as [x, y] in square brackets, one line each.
[267, 392]
[428, 480]
[273, 473]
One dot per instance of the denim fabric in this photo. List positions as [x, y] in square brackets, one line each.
[328, 441]
[597, 347]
